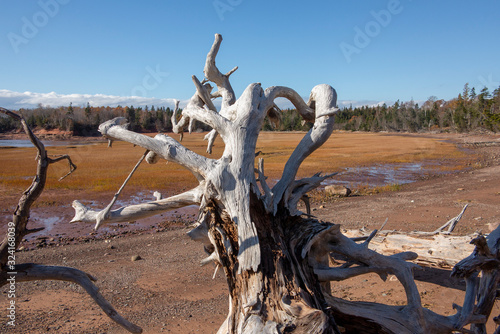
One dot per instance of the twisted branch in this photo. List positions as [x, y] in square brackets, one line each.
[324, 98]
[34, 272]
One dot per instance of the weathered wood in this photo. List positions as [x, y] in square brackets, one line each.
[434, 249]
[137, 211]
[275, 261]
[486, 260]
[437, 250]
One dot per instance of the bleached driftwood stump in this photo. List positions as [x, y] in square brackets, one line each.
[275, 259]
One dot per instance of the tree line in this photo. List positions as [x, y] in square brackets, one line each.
[467, 112]
[84, 121]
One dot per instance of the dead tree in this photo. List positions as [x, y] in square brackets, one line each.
[275, 258]
[12, 272]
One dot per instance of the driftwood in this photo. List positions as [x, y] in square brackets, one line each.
[276, 259]
[438, 250]
[12, 272]
[434, 249]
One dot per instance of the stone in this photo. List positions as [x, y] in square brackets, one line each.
[338, 190]
[135, 258]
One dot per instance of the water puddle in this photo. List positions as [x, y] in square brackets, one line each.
[48, 223]
[6, 143]
[382, 174]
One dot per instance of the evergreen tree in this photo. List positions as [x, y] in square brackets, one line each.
[88, 111]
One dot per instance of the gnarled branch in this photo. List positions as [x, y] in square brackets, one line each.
[324, 98]
[33, 272]
[163, 145]
[138, 211]
[21, 214]
[213, 74]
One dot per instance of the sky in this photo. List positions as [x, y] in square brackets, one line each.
[105, 52]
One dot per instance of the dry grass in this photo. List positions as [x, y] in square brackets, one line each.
[347, 149]
[102, 169]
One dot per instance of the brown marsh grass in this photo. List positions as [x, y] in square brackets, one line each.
[103, 169]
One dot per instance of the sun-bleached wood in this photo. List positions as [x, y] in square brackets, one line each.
[276, 259]
[137, 211]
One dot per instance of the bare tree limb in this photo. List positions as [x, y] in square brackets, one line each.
[138, 211]
[325, 100]
[299, 188]
[213, 74]
[72, 166]
[163, 145]
[17, 229]
[203, 93]
[450, 224]
[268, 195]
[104, 214]
[34, 272]
[21, 214]
[274, 92]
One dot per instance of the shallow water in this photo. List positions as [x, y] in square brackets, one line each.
[27, 143]
[381, 175]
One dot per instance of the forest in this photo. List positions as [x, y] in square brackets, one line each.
[467, 112]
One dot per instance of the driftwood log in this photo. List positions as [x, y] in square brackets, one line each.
[276, 259]
[438, 248]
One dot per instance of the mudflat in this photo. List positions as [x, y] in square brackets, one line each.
[167, 290]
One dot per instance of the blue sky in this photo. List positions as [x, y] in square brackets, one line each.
[59, 51]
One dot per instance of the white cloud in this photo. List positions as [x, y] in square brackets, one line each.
[16, 100]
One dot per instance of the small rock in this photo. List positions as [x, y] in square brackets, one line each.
[337, 190]
[135, 258]
[321, 206]
[460, 189]
[111, 247]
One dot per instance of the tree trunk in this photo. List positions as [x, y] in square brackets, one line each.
[284, 295]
